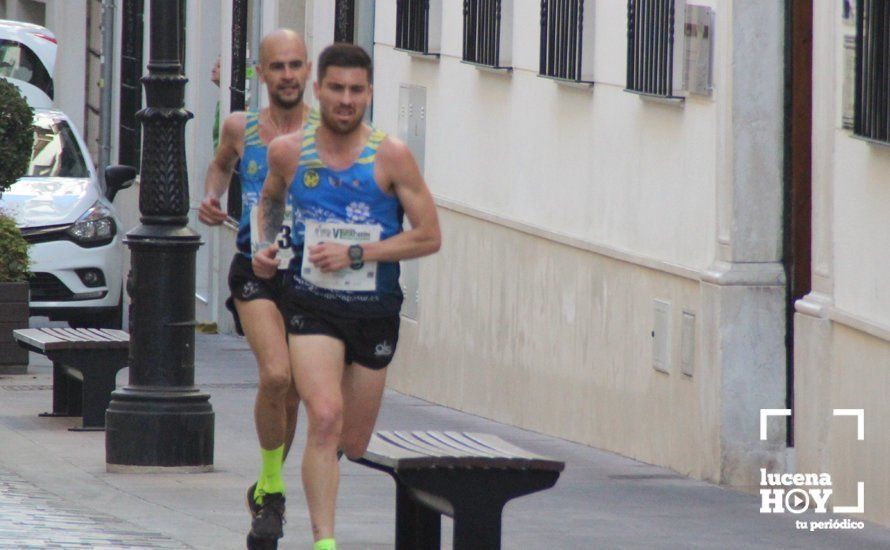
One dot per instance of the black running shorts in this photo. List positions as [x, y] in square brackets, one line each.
[370, 341]
[245, 285]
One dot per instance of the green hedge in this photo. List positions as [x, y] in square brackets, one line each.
[16, 134]
[16, 142]
[14, 261]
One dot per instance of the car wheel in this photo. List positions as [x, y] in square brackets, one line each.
[103, 318]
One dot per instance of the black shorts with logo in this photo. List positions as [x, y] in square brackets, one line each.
[370, 341]
[246, 286]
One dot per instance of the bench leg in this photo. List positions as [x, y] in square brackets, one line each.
[98, 383]
[417, 527]
[478, 526]
[66, 394]
[477, 498]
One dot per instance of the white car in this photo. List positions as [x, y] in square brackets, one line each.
[67, 216]
[60, 205]
[27, 59]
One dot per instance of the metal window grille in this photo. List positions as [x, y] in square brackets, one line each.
[652, 67]
[562, 37]
[872, 95]
[344, 21]
[130, 136]
[482, 31]
[237, 98]
[413, 25]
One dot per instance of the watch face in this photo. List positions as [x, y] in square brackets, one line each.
[355, 252]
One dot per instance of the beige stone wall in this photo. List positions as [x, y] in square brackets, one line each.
[851, 366]
[557, 339]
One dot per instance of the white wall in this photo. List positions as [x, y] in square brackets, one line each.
[600, 165]
[861, 226]
[851, 184]
[842, 328]
[655, 195]
[319, 34]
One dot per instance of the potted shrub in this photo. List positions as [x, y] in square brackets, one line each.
[16, 140]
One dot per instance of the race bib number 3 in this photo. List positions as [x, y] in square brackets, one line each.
[364, 279]
[284, 239]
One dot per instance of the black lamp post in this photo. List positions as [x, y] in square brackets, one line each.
[160, 420]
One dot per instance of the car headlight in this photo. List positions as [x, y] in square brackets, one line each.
[95, 227]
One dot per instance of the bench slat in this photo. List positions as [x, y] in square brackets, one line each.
[424, 449]
[473, 446]
[499, 445]
[35, 337]
[53, 339]
[58, 333]
[80, 334]
[437, 447]
[446, 443]
[432, 447]
[98, 334]
[406, 440]
[115, 335]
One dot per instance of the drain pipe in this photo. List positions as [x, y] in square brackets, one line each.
[106, 87]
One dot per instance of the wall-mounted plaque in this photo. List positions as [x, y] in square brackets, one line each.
[699, 55]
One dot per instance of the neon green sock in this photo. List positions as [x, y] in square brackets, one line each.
[270, 480]
[325, 544]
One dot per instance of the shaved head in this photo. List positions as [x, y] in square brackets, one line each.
[283, 67]
[280, 38]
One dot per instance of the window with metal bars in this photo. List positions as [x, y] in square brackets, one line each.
[418, 26]
[566, 49]
[487, 32]
[872, 95]
[655, 47]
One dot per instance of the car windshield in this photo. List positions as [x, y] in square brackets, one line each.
[56, 153]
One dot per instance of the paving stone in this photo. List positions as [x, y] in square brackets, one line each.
[33, 518]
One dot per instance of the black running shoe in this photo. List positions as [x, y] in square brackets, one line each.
[252, 506]
[254, 543]
[269, 520]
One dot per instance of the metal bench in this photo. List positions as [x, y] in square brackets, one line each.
[467, 476]
[85, 365]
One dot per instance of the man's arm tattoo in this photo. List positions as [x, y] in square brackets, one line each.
[273, 215]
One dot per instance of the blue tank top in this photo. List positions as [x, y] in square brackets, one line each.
[252, 170]
[349, 196]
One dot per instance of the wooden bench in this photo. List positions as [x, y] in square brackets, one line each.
[467, 476]
[85, 364]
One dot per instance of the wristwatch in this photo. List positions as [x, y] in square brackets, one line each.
[356, 255]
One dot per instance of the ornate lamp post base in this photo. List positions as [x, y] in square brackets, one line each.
[159, 429]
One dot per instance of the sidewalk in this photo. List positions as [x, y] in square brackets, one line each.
[55, 493]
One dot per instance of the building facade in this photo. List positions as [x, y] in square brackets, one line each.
[646, 242]
[842, 327]
[611, 269]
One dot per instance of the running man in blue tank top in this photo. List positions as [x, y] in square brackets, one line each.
[351, 185]
[285, 70]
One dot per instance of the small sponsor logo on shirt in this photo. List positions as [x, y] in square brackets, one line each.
[310, 179]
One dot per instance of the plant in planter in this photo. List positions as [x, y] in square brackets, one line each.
[16, 140]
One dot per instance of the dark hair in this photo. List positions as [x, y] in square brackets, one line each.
[344, 55]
